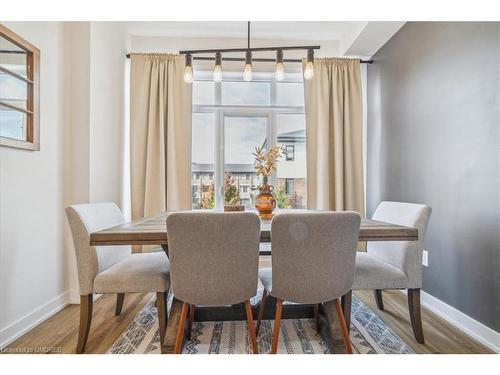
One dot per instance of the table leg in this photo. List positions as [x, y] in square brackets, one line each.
[346, 308]
[172, 326]
[333, 335]
[165, 249]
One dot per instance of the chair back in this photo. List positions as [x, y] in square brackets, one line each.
[406, 255]
[90, 260]
[313, 255]
[214, 256]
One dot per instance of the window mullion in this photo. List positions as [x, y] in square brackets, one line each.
[219, 149]
[271, 131]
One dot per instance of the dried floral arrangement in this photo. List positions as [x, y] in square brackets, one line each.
[265, 162]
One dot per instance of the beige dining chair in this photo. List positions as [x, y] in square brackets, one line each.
[312, 262]
[214, 258]
[113, 269]
[396, 264]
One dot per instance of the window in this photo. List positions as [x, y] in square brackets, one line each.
[19, 67]
[233, 117]
[202, 182]
[289, 186]
[289, 152]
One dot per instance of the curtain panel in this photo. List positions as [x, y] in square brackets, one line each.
[334, 122]
[160, 135]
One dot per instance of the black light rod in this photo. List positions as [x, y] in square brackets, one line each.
[256, 49]
[256, 59]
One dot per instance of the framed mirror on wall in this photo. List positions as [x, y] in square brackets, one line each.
[19, 92]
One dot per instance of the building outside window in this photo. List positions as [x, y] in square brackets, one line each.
[233, 117]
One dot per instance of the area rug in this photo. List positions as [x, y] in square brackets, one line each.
[369, 335]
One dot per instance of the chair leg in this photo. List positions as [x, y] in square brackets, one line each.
[343, 327]
[261, 311]
[346, 308]
[251, 330]
[316, 317]
[86, 304]
[415, 315]
[191, 320]
[378, 299]
[180, 330]
[277, 323]
[119, 303]
[161, 302]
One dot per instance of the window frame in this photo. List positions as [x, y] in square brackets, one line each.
[221, 111]
[32, 111]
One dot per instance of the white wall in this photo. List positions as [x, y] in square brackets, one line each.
[33, 272]
[107, 73]
[81, 113]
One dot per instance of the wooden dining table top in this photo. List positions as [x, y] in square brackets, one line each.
[153, 231]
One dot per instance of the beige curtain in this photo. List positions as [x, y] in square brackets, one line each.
[334, 118]
[160, 134]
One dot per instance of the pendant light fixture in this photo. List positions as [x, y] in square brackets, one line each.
[248, 59]
[280, 70]
[247, 73]
[309, 70]
[218, 67]
[188, 70]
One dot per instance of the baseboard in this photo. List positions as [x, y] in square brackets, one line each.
[18, 328]
[485, 335]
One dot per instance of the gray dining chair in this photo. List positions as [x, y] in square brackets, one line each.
[214, 259]
[113, 269]
[396, 264]
[312, 258]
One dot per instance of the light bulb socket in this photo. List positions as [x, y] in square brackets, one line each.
[310, 55]
[248, 58]
[279, 56]
[218, 58]
[189, 59]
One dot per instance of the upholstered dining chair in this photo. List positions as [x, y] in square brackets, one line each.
[214, 258]
[113, 269]
[312, 262]
[396, 264]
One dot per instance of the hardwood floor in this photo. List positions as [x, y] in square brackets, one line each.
[61, 330]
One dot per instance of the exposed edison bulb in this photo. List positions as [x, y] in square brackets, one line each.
[247, 73]
[188, 74]
[280, 72]
[309, 71]
[218, 73]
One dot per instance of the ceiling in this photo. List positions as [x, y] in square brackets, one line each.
[238, 29]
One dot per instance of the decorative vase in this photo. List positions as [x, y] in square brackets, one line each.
[265, 202]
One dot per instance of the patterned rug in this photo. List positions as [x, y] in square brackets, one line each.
[369, 335]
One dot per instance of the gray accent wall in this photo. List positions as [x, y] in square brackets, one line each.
[433, 137]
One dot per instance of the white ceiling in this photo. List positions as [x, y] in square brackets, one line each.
[238, 29]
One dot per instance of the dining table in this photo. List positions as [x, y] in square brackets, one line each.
[153, 231]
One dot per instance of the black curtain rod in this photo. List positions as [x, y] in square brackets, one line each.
[256, 59]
